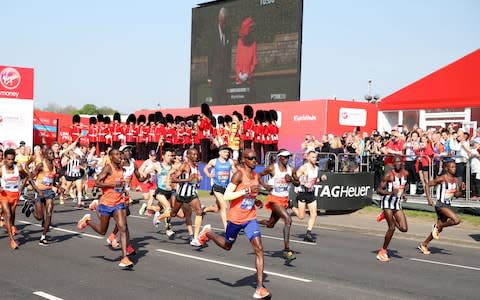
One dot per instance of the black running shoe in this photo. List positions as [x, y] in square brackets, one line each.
[309, 238]
[288, 255]
[43, 242]
[29, 210]
[25, 205]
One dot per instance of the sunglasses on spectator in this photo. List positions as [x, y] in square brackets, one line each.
[251, 158]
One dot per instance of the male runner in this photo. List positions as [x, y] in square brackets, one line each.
[10, 183]
[44, 173]
[449, 188]
[392, 188]
[112, 203]
[223, 167]
[281, 175]
[148, 188]
[188, 177]
[242, 192]
[163, 193]
[308, 177]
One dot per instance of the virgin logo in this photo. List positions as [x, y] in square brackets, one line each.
[1, 119]
[344, 115]
[10, 78]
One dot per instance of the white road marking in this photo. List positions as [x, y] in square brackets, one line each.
[65, 230]
[137, 217]
[232, 265]
[445, 264]
[276, 238]
[46, 296]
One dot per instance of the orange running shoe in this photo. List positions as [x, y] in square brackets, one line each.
[125, 263]
[424, 249]
[112, 241]
[381, 216]
[261, 292]
[131, 250]
[14, 230]
[383, 255]
[435, 232]
[202, 236]
[82, 224]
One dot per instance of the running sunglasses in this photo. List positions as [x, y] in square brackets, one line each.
[251, 158]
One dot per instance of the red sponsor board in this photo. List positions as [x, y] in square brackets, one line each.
[296, 119]
[16, 83]
[45, 127]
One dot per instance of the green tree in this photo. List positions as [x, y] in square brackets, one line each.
[104, 110]
[88, 109]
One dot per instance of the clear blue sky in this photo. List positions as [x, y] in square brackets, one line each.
[134, 54]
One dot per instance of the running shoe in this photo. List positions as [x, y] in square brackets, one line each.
[195, 243]
[435, 232]
[29, 210]
[43, 242]
[288, 255]
[382, 255]
[156, 222]
[14, 230]
[61, 201]
[93, 205]
[424, 249]
[82, 224]
[190, 238]
[112, 241]
[309, 238]
[170, 233]
[13, 245]
[202, 236]
[80, 205]
[2, 222]
[142, 209]
[25, 206]
[94, 192]
[148, 213]
[131, 250]
[125, 263]
[381, 216]
[260, 293]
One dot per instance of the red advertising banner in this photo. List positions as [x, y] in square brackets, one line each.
[16, 83]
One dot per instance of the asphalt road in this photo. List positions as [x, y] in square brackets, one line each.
[341, 265]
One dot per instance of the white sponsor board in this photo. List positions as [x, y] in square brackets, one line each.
[352, 116]
[16, 122]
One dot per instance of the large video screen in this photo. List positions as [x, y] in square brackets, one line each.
[246, 51]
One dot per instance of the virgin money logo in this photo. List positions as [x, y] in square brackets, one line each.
[10, 78]
[1, 119]
[344, 115]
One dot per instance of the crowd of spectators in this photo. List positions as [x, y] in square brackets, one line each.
[423, 151]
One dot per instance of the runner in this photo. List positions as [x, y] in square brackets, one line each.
[187, 176]
[112, 204]
[449, 187]
[242, 192]
[392, 188]
[308, 177]
[10, 184]
[163, 193]
[223, 167]
[281, 175]
[149, 187]
[42, 209]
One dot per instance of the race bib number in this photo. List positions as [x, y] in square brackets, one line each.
[223, 176]
[280, 185]
[11, 185]
[47, 181]
[118, 187]
[247, 203]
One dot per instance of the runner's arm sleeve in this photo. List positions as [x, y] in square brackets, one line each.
[231, 194]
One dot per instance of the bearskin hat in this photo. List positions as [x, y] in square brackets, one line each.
[170, 118]
[131, 119]
[76, 119]
[205, 109]
[221, 120]
[239, 115]
[141, 119]
[268, 116]
[92, 121]
[116, 117]
[100, 118]
[151, 118]
[195, 118]
[273, 115]
[260, 116]
[158, 116]
[248, 111]
[228, 119]
[106, 120]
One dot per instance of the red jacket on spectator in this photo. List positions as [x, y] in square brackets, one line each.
[268, 134]
[75, 131]
[102, 132]
[423, 153]
[130, 133]
[205, 127]
[141, 131]
[170, 135]
[248, 131]
[258, 133]
[151, 133]
[116, 129]
[159, 132]
[396, 145]
[92, 133]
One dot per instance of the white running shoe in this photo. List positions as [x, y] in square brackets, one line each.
[170, 233]
[195, 243]
[142, 209]
[156, 222]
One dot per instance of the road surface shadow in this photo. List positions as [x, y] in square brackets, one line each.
[246, 281]
[391, 253]
[475, 237]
